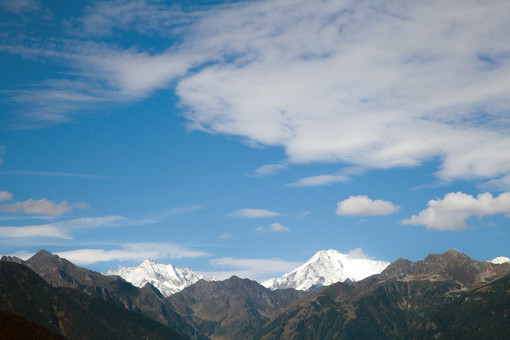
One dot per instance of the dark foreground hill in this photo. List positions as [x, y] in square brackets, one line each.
[68, 312]
[61, 273]
[13, 327]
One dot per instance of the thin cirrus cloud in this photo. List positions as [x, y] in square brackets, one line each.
[364, 206]
[255, 269]
[253, 213]
[377, 86]
[132, 252]
[451, 212]
[5, 196]
[314, 181]
[127, 252]
[60, 230]
[273, 227]
[42, 207]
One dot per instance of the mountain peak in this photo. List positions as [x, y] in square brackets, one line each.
[327, 267]
[165, 277]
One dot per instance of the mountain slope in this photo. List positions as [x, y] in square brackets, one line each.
[232, 308]
[325, 268]
[60, 272]
[68, 312]
[167, 278]
[384, 306]
[13, 327]
[483, 313]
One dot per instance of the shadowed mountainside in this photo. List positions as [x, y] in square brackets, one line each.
[70, 313]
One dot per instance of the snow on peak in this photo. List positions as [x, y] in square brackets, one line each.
[167, 278]
[327, 267]
[500, 260]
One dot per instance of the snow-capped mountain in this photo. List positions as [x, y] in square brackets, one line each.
[167, 278]
[327, 267]
[500, 260]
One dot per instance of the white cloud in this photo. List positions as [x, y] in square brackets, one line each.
[451, 212]
[277, 227]
[364, 206]
[42, 207]
[255, 269]
[226, 236]
[358, 253]
[314, 181]
[5, 196]
[379, 86]
[270, 169]
[33, 231]
[260, 229]
[253, 213]
[60, 229]
[131, 251]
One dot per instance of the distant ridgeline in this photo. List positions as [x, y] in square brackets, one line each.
[446, 296]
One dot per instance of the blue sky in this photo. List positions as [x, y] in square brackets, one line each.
[242, 137]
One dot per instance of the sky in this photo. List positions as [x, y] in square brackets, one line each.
[241, 137]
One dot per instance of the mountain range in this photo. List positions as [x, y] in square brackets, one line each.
[166, 278]
[324, 268]
[444, 296]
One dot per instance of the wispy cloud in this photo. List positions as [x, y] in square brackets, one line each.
[132, 251]
[451, 212]
[226, 236]
[60, 229]
[49, 174]
[270, 169]
[126, 252]
[253, 213]
[319, 180]
[5, 196]
[364, 206]
[33, 231]
[377, 86]
[42, 207]
[255, 269]
[273, 228]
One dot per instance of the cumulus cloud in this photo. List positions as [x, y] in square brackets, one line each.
[364, 206]
[255, 269]
[131, 251]
[451, 212]
[42, 207]
[253, 213]
[5, 196]
[277, 227]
